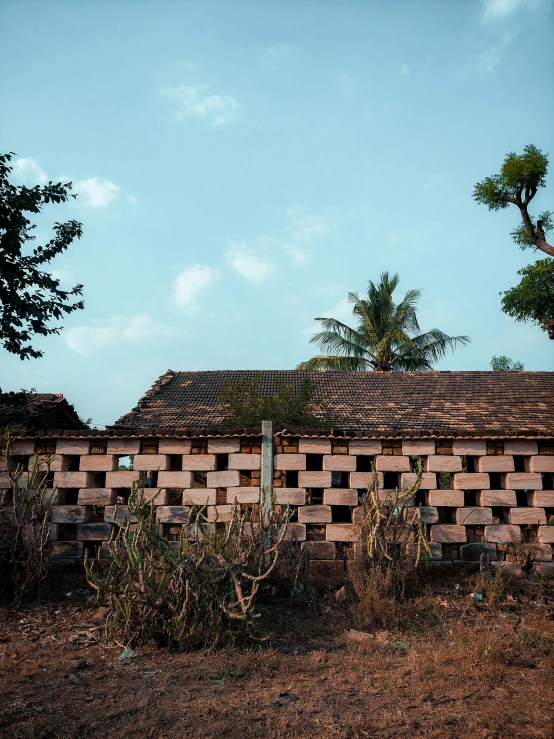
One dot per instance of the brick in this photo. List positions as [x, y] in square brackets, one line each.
[150, 462]
[220, 513]
[443, 463]
[156, 496]
[72, 446]
[174, 479]
[290, 496]
[441, 498]
[542, 463]
[521, 481]
[98, 463]
[364, 479]
[223, 446]
[243, 495]
[429, 514]
[68, 550]
[96, 496]
[52, 463]
[315, 514]
[469, 447]
[340, 496]
[73, 479]
[314, 479]
[544, 568]
[121, 478]
[341, 532]
[174, 446]
[390, 463]
[509, 568]
[340, 463]
[473, 552]
[520, 447]
[246, 461]
[502, 533]
[118, 513]
[369, 447]
[496, 463]
[473, 516]
[94, 531]
[123, 447]
[295, 531]
[70, 514]
[546, 534]
[199, 462]
[358, 515]
[199, 496]
[172, 514]
[472, 481]
[314, 446]
[320, 549]
[428, 480]
[223, 479]
[419, 447]
[290, 461]
[23, 447]
[541, 499]
[525, 516]
[448, 533]
[505, 498]
[542, 552]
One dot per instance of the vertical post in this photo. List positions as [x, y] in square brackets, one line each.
[266, 474]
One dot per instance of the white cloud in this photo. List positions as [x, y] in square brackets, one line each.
[276, 56]
[342, 312]
[116, 331]
[307, 226]
[497, 10]
[96, 192]
[252, 261]
[28, 172]
[192, 100]
[490, 59]
[63, 275]
[404, 69]
[191, 284]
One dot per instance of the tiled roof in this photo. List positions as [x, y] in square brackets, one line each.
[38, 411]
[435, 402]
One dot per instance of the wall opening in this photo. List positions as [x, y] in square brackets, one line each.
[521, 498]
[340, 479]
[314, 462]
[364, 462]
[125, 463]
[149, 479]
[341, 514]
[494, 478]
[314, 496]
[470, 497]
[99, 479]
[519, 463]
[198, 479]
[391, 480]
[291, 478]
[221, 462]
[175, 462]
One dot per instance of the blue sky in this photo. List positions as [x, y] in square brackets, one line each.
[242, 166]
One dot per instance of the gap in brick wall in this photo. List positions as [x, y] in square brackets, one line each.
[69, 496]
[470, 497]
[340, 479]
[445, 514]
[67, 532]
[293, 515]
[419, 498]
[122, 495]
[98, 447]
[291, 478]
[548, 481]
[149, 478]
[198, 479]
[391, 480]
[521, 498]
[494, 479]
[245, 477]
[221, 462]
[314, 496]
[498, 514]
[315, 532]
[471, 464]
[125, 463]
[341, 514]
[149, 446]
[314, 462]
[364, 462]
[45, 447]
[519, 464]
[175, 462]
[174, 496]
[73, 463]
[99, 479]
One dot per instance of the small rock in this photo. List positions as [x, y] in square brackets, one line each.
[359, 636]
[76, 680]
[127, 653]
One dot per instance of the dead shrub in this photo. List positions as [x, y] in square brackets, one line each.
[492, 582]
[25, 541]
[199, 590]
[390, 547]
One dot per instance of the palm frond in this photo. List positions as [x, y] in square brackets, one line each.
[320, 362]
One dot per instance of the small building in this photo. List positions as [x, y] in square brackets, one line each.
[38, 411]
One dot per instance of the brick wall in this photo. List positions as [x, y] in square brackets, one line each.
[487, 492]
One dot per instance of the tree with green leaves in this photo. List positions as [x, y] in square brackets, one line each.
[519, 180]
[505, 364]
[30, 297]
[387, 337]
[533, 299]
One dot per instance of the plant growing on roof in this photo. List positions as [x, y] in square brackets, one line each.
[387, 336]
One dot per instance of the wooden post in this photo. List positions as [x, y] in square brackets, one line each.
[266, 475]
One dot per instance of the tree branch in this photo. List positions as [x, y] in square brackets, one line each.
[540, 243]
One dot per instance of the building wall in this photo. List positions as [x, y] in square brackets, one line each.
[495, 492]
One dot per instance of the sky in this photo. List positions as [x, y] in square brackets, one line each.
[241, 166]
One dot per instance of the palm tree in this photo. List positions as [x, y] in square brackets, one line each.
[387, 337]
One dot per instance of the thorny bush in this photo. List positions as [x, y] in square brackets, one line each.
[391, 544]
[25, 541]
[200, 590]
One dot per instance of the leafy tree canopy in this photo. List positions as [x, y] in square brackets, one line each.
[519, 180]
[533, 299]
[246, 408]
[505, 364]
[387, 335]
[29, 296]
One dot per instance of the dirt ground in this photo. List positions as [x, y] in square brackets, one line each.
[455, 668]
